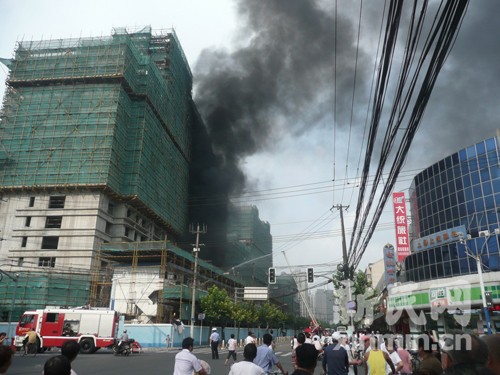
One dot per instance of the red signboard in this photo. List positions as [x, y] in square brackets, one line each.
[402, 239]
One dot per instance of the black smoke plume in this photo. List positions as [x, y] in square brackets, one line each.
[279, 81]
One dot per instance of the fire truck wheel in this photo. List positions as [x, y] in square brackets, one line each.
[87, 346]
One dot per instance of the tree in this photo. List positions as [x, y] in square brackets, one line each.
[217, 305]
[360, 282]
[360, 287]
[338, 279]
[270, 315]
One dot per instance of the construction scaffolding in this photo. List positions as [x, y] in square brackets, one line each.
[36, 290]
[111, 113]
[153, 274]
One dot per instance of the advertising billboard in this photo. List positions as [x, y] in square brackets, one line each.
[402, 239]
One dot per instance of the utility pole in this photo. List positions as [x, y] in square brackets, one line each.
[344, 245]
[346, 268]
[196, 250]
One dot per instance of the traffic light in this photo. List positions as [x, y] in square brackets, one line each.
[310, 275]
[489, 299]
[272, 275]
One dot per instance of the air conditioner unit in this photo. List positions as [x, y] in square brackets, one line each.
[484, 233]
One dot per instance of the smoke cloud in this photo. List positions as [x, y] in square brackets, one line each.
[279, 82]
[280, 79]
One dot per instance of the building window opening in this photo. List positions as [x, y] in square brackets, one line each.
[24, 241]
[111, 208]
[57, 201]
[27, 223]
[53, 222]
[47, 262]
[108, 227]
[32, 201]
[50, 242]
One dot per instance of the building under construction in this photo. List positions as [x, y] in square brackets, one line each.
[249, 244]
[95, 150]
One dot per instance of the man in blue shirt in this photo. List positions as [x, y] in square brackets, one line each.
[265, 356]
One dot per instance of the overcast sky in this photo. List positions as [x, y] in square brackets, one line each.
[281, 54]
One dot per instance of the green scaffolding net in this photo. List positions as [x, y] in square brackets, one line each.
[110, 113]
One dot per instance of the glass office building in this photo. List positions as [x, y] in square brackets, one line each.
[458, 197]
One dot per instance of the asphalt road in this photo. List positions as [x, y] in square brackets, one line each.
[149, 362]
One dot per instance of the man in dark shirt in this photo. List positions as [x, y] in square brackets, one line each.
[306, 359]
[335, 360]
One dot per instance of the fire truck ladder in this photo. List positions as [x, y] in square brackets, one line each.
[302, 294]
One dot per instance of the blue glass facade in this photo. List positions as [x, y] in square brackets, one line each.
[460, 190]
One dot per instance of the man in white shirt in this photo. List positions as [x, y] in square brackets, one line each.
[231, 347]
[186, 362]
[308, 338]
[344, 342]
[395, 358]
[214, 343]
[250, 338]
[247, 367]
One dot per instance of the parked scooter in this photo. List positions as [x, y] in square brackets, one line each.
[122, 348]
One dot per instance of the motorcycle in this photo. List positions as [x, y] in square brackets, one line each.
[122, 348]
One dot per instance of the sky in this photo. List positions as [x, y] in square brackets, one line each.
[284, 88]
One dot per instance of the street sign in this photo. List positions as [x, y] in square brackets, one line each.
[201, 316]
[255, 294]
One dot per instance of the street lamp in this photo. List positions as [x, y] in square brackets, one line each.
[486, 234]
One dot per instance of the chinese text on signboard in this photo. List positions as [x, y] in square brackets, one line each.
[402, 241]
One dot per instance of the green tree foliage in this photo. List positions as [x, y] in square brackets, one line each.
[217, 305]
[360, 281]
[338, 278]
[270, 314]
[219, 308]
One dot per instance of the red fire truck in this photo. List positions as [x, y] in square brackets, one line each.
[92, 328]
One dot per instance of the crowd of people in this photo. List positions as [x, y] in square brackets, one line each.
[367, 354]
[460, 354]
[336, 354]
